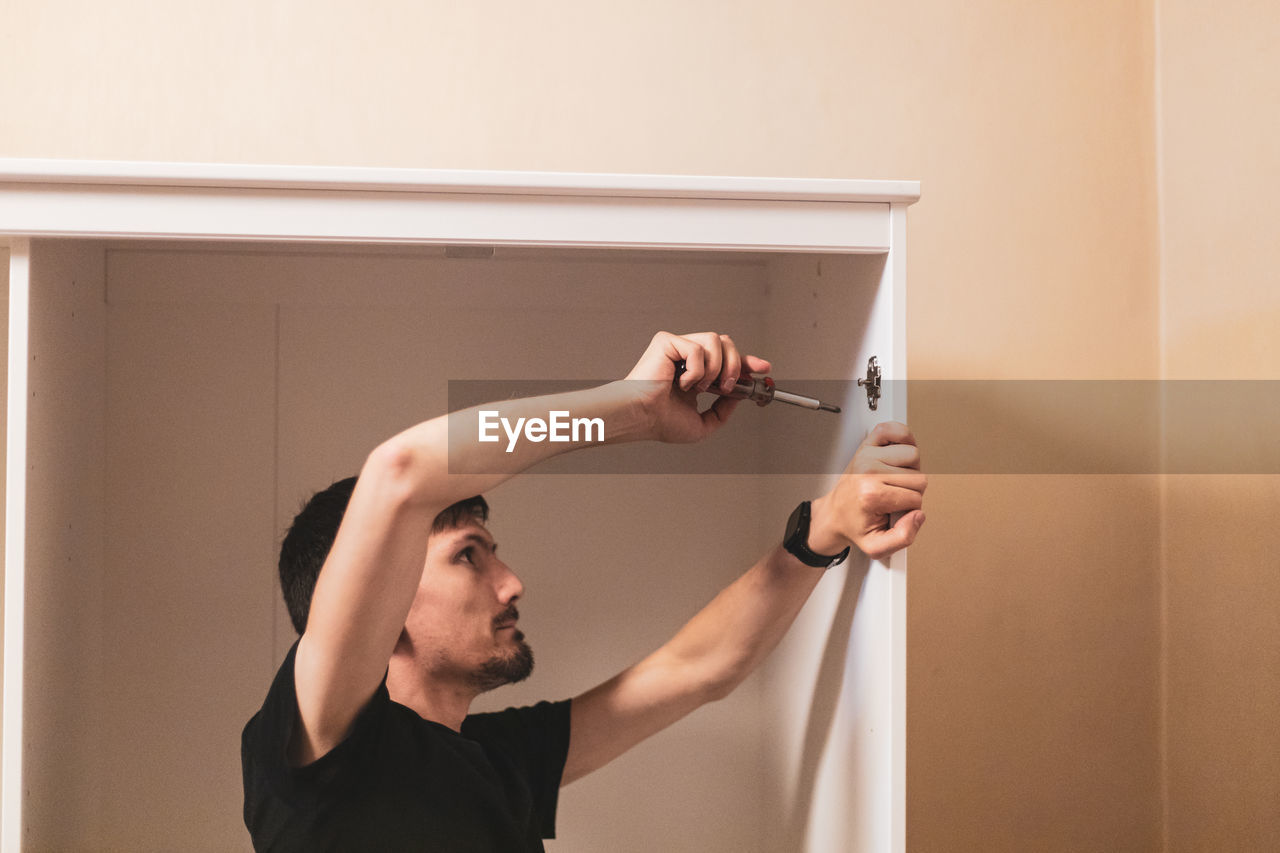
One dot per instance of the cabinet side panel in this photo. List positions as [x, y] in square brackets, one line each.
[64, 528]
[830, 684]
[4, 425]
[189, 559]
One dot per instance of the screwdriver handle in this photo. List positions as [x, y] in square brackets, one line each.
[758, 389]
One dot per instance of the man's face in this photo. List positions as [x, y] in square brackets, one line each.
[463, 620]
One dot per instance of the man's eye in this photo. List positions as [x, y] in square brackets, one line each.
[468, 555]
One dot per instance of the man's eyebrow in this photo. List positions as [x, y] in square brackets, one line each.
[476, 538]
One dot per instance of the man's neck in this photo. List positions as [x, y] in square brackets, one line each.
[437, 700]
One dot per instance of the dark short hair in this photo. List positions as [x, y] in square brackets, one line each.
[307, 544]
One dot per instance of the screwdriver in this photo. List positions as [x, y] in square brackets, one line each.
[763, 392]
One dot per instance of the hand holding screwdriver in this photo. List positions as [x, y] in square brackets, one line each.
[763, 392]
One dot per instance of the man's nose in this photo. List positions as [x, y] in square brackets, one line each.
[509, 587]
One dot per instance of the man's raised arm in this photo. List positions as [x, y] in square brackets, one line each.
[366, 588]
[729, 637]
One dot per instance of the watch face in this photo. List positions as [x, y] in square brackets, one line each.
[792, 527]
[797, 538]
[797, 528]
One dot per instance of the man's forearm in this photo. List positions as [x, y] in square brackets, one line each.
[726, 640]
[705, 660]
[444, 459]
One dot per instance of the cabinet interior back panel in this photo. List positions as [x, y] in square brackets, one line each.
[240, 379]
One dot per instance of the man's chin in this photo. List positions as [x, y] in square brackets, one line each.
[509, 668]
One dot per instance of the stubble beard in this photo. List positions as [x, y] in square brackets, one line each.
[509, 668]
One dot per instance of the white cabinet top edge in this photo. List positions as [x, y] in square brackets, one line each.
[367, 179]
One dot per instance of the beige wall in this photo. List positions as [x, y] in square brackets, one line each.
[1034, 611]
[1220, 203]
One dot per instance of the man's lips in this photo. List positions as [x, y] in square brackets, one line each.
[506, 619]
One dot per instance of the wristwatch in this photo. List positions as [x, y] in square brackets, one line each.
[796, 540]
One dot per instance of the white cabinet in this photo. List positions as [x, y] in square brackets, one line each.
[194, 349]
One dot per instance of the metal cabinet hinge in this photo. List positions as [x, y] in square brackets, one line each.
[872, 383]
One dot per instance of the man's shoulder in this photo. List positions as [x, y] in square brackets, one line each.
[534, 738]
[542, 715]
[281, 699]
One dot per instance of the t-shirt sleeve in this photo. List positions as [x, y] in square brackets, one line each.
[536, 740]
[265, 744]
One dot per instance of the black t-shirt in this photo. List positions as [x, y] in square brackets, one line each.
[399, 782]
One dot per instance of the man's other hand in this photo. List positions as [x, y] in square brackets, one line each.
[882, 480]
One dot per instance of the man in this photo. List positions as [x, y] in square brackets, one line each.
[365, 742]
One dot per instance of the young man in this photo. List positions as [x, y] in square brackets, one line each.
[365, 742]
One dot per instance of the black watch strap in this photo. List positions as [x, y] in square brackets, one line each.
[796, 540]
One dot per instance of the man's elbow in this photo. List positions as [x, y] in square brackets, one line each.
[719, 690]
[393, 471]
[720, 684]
